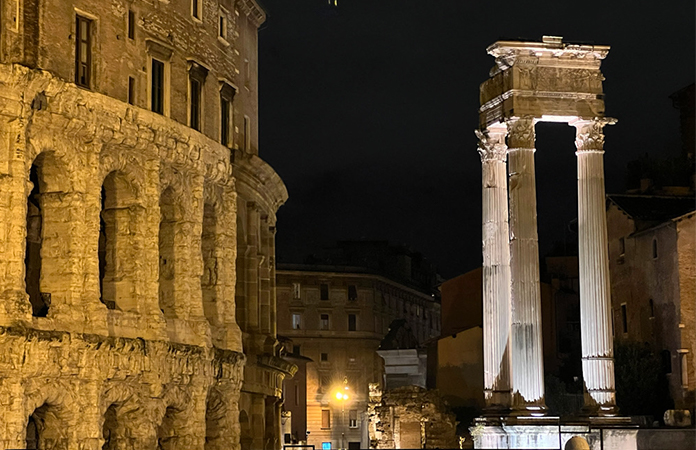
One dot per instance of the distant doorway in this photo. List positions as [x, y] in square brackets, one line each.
[354, 446]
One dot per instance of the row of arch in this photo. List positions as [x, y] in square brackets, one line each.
[127, 424]
[123, 222]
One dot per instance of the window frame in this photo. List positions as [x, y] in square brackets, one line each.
[89, 42]
[324, 292]
[197, 10]
[624, 318]
[163, 104]
[196, 95]
[325, 419]
[296, 325]
[321, 322]
[130, 24]
[352, 322]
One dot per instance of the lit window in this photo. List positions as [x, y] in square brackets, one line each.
[325, 445]
[83, 52]
[296, 321]
[324, 322]
[353, 418]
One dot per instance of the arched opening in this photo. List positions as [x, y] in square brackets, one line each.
[167, 432]
[245, 428]
[32, 256]
[167, 255]
[117, 221]
[209, 280]
[217, 434]
[109, 429]
[46, 429]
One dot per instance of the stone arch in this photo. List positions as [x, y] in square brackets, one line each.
[175, 423]
[50, 419]
[120, 211]
[47, 180]
[213, 254]
[246, 437]
[219, 432]
[170, 214]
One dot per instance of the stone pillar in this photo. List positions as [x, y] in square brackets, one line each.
[527, 351]
[496, 270]
[595, 304]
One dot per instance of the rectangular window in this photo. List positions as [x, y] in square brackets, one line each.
[131, 24]
[622, 246]
[224, 121]
[353, 418]
[297, 394]
[624, 318]
[195, 103]
[324, 357]
[326, 421]
[296, 350]
[247, 133]
[83, 52]
[326, 446]
[352, 292]
[296, 321]
[196, 8]
[654, 248]
[157, 88]
[223, 27]
[324, 322]
[352, 322]
[131, 90]
[324, 292]
[296, 291]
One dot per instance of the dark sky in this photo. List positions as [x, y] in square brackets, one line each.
[367, 112]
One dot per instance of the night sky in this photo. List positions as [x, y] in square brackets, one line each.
[367, 112]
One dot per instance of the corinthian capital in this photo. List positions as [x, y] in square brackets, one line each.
[589, 134]
[492, 143]
[520, 132]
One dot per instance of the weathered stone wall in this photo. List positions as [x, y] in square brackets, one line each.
[412, 417]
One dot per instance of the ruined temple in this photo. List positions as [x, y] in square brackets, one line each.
[137, 224]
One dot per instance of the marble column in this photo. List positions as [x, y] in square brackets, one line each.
[595, 303]
[527, 349]
[496, 270]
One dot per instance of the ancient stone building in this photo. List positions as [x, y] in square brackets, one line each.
[136, 228]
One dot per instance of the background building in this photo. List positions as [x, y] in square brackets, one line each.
[337, 315]
[130, 183]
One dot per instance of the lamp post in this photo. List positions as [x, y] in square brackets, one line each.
[342, 396]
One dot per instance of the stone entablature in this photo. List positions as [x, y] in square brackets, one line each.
[552, 80]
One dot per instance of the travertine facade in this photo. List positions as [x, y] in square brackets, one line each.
[128, 160]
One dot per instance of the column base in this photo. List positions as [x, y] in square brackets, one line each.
[546, 433]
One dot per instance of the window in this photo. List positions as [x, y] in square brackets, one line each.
[222, 27]
[324, 325]
[296, 291]
[227, 93]
[131, 90]
[352, 292]
[131, 24]
[196, 9]
[297, 394]
[624, 318]
[296, 350]
[324, 292]
[325, 422]
[651, 305]
[654, 248]
[622, 246]
[352, 322]
[247, 133]
[353, 418]
[326, 446]
[83, 52]
[197, 74]
[296, 321]
[324, 357]
[157, 88]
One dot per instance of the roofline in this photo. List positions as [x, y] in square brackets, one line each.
[665, 223]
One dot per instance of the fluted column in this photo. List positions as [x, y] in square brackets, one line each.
[595, 303]
[496, 270]
[527, 349]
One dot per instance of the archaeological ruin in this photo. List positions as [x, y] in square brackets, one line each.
[548, 81]
[137, 227]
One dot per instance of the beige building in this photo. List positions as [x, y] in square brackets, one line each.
[337, 317]
[652, 257]
[136, 228]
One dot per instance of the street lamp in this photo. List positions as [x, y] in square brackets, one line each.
[342, 396]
